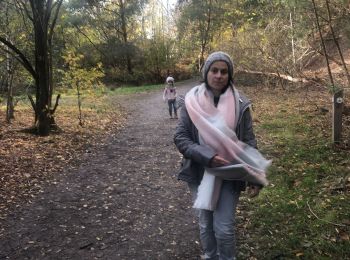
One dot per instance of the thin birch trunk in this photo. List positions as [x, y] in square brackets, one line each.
[337, 43]
[323, 45]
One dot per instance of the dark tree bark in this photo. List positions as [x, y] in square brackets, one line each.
[125, 36]
[10, 108]
[40, 22]
[9, 71]
[205, 35]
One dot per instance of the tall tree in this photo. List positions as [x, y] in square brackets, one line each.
[115, 23]
[158, 43]
[198, 24]
[43, 15]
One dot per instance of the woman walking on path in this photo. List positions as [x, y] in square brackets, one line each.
[214, 127]
[169, 95]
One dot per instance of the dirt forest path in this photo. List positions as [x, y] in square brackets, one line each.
[122, 202]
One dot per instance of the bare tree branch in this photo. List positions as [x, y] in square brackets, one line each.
[52, 111]
[48, 11]
[332, 223]
[88, 38]
[21, 57]
[53, 24]
[323, 44]
[337, 43]
[22, 7]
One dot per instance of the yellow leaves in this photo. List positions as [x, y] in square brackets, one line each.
[71, 58]
[76, 74]
[241, 29]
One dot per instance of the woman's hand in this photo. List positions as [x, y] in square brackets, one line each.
[218, 161]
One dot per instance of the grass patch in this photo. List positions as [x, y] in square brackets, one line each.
[305, 211]
[125, 90]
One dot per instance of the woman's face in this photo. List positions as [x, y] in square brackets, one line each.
[218, 77]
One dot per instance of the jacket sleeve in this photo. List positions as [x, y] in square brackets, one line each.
[185, 141]
[248, 135]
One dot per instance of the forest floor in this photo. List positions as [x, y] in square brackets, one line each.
[109, 190]
[118, 199]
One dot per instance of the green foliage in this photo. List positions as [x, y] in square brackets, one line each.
[158, 58]
[110, 27]
[77, 76]
[198, 25]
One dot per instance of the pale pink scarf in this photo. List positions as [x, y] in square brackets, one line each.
[216, 128]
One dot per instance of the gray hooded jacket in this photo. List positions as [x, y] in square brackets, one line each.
[196, 156]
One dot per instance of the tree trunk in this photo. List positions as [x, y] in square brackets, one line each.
[292, 31]
[9, 76]
[42, 67]
[323, 44]
[10, 108]
[338, 95]
[79, 104]
[125, 37]
[205, 36]
[337, 43]
[41, 11]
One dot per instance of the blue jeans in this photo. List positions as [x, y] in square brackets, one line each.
[171, 106]
[217, 228]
